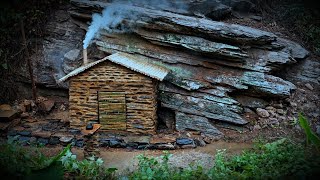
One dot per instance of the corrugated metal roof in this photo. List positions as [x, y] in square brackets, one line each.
[129, 61]
[139, 65]
[81, 69]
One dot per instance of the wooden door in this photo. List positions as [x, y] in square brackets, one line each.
[112, 110]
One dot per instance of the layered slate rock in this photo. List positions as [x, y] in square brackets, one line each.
[196, 123]
[172, 22]
[194, 43]
[250, 59]
[62, 36]
[71, 61]
[200, 104]
[209, 60]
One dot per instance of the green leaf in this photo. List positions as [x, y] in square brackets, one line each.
[54, 159]
[53, 172]
[4, 66]
[111, 170]
[311, 136]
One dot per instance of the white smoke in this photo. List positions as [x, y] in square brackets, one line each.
[109, 20]
[113, 15]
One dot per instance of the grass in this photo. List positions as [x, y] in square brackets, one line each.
[276, 160]
[281, 159]
[18, 162]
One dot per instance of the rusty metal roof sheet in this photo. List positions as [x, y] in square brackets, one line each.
[129, 61]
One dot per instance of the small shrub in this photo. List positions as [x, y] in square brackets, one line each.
[159, 169]
[86, 169]
[17, 161]
[151, 168]
[279, 159]
[14, 160]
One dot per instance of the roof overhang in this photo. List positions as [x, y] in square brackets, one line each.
[129, 61]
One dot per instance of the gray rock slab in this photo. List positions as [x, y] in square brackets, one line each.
[137, 139]
[191, 122]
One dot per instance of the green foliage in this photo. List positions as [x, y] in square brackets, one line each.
[300, 20]
[158, 169]
[151, 168]
[86, 169]
[275, 160]
[18, 161]
[54, 172]
[279, 159]
[15, 160]
[30, 163]
[311, 136]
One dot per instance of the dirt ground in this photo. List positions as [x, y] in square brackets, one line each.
[126, 161]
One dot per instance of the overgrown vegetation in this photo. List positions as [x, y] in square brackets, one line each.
[20, 162]
[280, 159]
[153, 168]
[17, 161]
[87, 169]
[305, 23]
[283, 158]
[299, 17]
[276, 160]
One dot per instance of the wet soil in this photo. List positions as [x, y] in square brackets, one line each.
[125, 160]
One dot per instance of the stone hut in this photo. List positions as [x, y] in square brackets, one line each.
[118, 91]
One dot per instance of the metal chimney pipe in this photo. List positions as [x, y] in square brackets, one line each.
[85, 57]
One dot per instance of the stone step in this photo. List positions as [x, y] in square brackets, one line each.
[9, 115]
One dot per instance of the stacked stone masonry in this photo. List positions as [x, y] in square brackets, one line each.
[140, 95]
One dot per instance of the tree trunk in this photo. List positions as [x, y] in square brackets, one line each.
[24, 41]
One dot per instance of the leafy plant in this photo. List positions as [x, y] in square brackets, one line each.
[17, 161]
[151, 168]
[299, 19]
[311, 136]
[30, 163]
[86, 169]
[279, 159]
[159, 168]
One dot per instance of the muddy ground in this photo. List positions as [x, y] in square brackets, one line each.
[126, 160]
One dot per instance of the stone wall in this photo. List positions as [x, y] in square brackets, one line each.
[140, 96]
